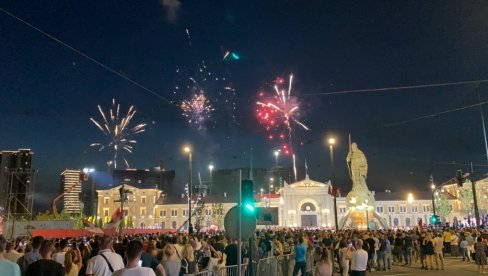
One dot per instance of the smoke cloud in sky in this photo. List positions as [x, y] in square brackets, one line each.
[171, 7]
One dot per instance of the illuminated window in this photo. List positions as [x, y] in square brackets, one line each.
[143, 200]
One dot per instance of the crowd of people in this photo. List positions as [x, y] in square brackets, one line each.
[321, 252]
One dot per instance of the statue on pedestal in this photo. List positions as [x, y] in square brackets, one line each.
[360, 201]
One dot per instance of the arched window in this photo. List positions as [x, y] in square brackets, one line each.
[173, 225]
[209, 223]
[395, 222]
[143, 225]
[407, 222]
[163, 225]
[308, 207]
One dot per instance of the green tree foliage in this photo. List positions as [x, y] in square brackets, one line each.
[442, 206]
[218, 214]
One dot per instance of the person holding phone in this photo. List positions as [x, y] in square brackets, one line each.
[358, 257]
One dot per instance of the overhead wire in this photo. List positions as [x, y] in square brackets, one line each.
[79, 52]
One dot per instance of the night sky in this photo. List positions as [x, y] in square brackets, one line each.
[48, 92]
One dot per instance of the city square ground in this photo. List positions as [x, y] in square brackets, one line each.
[453, 266]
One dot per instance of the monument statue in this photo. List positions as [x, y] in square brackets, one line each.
[360, 201]
[357, 165]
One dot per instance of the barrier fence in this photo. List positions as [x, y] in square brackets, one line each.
[272, 266]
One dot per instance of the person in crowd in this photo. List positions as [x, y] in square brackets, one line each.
[59, 255]
[73, 262]
[133, 253]
[428, 251]
[463, 246]
[323, 262]
[189, 264]
[358, 257]
[480, 254]
[408, 248]
[7, 267]
[398, 249]
[170, 260]
[230, 252]
[300, 260]
[343, 261]
[33, 255]
[447, 241]
[12, 254]
[384, 254]
[46, 266]
[454, 244]
[438, 249]
[106, 261]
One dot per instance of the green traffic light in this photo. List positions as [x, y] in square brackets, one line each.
[249, 207]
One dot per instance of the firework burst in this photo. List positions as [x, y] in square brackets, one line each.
[197, 110]
[118, 131]
[279, 113]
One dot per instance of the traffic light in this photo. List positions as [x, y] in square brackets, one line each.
[459, 178]
[435, 220]
[247, 193]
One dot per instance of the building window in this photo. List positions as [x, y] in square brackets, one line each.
[426, 208]
[185, 213]
[208, 212]
[395, 222]
[105, 200]
[415, 209]
[407, 222]
[173, 225]
[163, 225]
[342, 210]
[391, 209]
[403, 209]
[162, 213]
[143, 211]
[379, 209]
[105, 212]
[143, 200]
[174, 213]
[143, 225]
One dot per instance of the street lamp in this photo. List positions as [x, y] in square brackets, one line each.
[332, 142]
[432, 187]
[271, 179]
[276, 154]
[89, 171]
[187, 149]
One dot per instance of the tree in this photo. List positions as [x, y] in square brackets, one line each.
[218, 214]
[466, 199]
[199, 215]
[442, 206]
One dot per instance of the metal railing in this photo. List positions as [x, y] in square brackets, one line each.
[272, 266]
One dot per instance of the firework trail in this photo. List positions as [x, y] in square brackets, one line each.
[118, 131]
[279, 113]
[197, 110]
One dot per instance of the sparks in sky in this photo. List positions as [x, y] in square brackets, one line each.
[197, 110]
[280, 112]
[118, 131]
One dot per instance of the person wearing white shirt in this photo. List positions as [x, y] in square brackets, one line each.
[106, 262]
[133, 253]
[59, 256]
[358, 257]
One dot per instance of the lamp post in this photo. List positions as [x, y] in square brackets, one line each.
[410, 200]
[270, 186]
[276, 154]
[432, 187]
[89, 171]
[331, 142]
[187, 150]
[210, 169]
